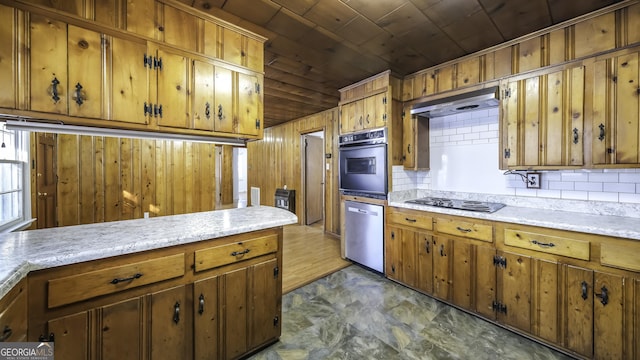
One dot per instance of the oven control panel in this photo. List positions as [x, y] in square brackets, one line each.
[375, 136]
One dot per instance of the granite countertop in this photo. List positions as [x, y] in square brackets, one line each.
[554, 217]
[26, 251]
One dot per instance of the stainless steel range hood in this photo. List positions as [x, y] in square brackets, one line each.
[475, 100]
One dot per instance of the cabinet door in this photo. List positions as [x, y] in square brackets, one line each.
[173, 94]
[442, 268]
[609, 317]
[223, 110]
[514, 284]
[265, 312]
[375, 111]
[72, 334]
[546, 323]
[353, 116]
[249, 120]
[129, 80]
[543, 119]
[393, 252]
[408, 136]
[48, 67]
[205, 295]
[169, 313]
[233, 313]
[141, 17]
[485, 277]
[579, 310]
[616, 110]
[425, 263]
[8, 50]
[461, 276]
[203, 100]
[85, 73]
[120, 330]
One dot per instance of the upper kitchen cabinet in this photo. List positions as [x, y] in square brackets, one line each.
[249, 104]
[232, 46]
[367, 113]
[65, 68]
[172, 89]
[542, 124]
[415, 141]
[8, 53]
[616, 110]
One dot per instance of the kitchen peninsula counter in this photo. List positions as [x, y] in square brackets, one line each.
[32, 250]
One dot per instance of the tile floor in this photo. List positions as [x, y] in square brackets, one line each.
[356, 314]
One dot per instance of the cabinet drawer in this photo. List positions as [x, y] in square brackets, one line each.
[621, 254]
[230, 253]
[87, 285]
[410, 218]
[13, 318]
[465, 229]
[564, 246]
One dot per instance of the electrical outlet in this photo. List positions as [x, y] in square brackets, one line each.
[533, 180]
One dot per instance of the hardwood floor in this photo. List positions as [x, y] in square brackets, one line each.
[308, 255]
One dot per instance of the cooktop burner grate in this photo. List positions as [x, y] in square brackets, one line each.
[469, 205]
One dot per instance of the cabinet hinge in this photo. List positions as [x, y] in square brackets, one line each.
[276, 320]
[276, 271]
[507, 153]
[499, 261]
[157, 63]
[384, 117]
[507, 93]
[257, 88]
[257, 123]
[148, 109]
[148, 61]
[157, 110]
[402, 114]
[498, 307]
[611, 150]
[43, 338]
[384, 100]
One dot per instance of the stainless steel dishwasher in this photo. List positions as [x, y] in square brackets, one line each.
[364, 234]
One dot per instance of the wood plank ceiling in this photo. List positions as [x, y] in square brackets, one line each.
[316, 47]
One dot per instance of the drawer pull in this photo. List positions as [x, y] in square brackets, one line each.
[410, 220]
[604, 296]
[240, 253]
[176, 312]
[116, 280]
[463, 229]
[6, 333]
[584, 290]
[541, 244]
[201, 304]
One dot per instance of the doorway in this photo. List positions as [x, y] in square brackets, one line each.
[313, 177]
[46, 180]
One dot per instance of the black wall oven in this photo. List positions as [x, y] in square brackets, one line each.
[363, 163]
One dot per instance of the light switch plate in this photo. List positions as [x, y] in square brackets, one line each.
[533, 180]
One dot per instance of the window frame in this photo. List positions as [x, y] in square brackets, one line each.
[22, 149]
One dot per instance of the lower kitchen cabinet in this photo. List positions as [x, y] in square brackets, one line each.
[576, 292]
[13, 314]
[217, 300]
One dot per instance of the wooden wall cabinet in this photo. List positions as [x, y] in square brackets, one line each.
[13, 314]
[415, 141]
[542, 123]
[368, 113]
[616, 110]
[204, 300]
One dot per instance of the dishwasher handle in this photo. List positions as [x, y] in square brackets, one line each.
[362, 211]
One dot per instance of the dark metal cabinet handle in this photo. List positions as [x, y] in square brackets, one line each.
[576, 138]
[79, 99]
[6, 333]
[393, 269]
[207, 110]
[541, 244]
[409, 149]
[585, 287]
[368, 122]
[604, 296]
[54, 89]
[463, 229]
[176, 312]
[238, 253]
[131, 278]
[426, 246]
[410, 220]
[442, 250]
[601, 136]
[220, 115]
[201, 304]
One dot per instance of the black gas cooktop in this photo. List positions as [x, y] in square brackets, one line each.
[470, 205]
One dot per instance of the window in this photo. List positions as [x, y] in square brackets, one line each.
[15, 209]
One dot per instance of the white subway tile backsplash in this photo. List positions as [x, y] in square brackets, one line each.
[471, 136]
[604, 177]
[574, 176]
[588, 186]
[480, 128]
[603, 196]
[553, 194]
[559, 185]
[630, 198]
[620, 187]
[630, 178]
[575, 195]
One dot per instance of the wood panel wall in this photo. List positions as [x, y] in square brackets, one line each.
[106, 179]
[276, 160]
